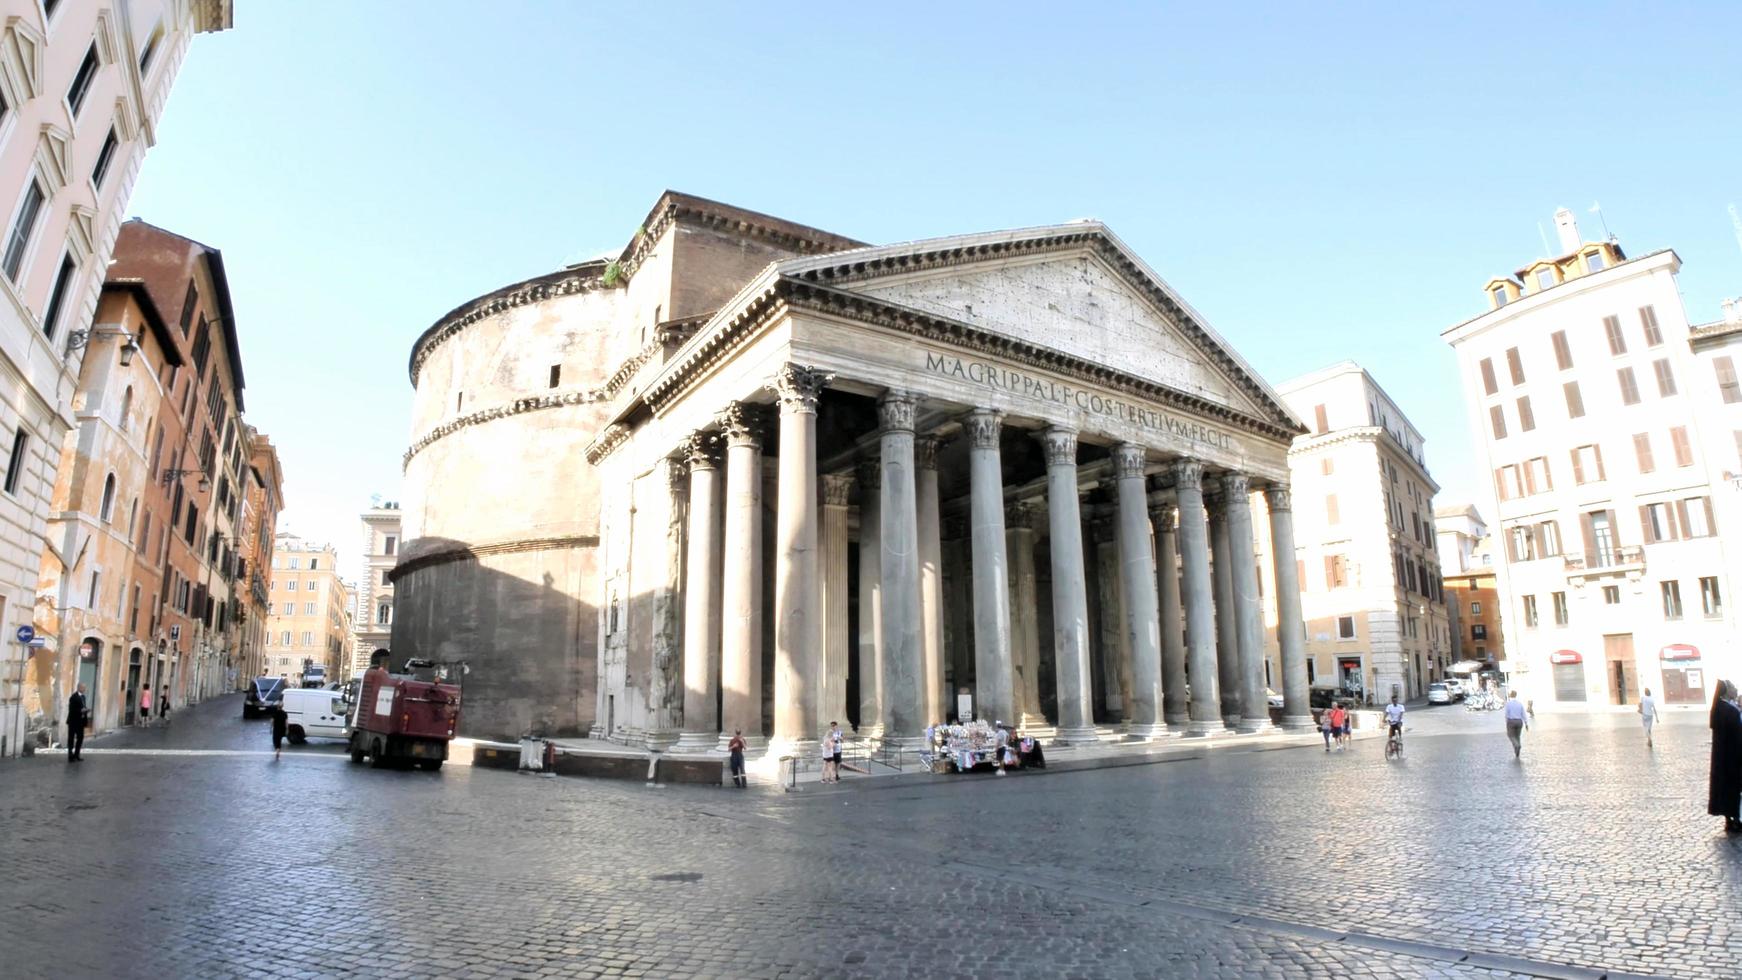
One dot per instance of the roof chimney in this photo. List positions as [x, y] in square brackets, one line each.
[1567, 227]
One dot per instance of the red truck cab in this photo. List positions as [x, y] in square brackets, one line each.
[405, 718]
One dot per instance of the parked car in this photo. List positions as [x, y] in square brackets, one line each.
[264, 694]
[1456, 686]
[1438, 693]
[315, 713]
[1275, 698]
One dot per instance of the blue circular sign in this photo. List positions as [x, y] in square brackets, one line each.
[26, 634]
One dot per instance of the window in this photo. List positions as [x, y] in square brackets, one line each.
[1695, 517]
[1530, 612]
[1331, 515]
[23, 225]
[384, 613]
[15, 462]
[1711, 603]
[1561, 615]
[1587, 465]
[1526, 420]
[1600, 543]
[108, 508]
[308, 638]
[1629, 387]
[1520, 544]
[392, 544]
[295, 562]
[385, 576]
[1611, 595]
[187, 307]
[1499, 296]
[1321, 423]
[1478, 631]
[1612, 329]
[96, 582]
[1648, 320]
[1345, 627]
[459, 401]
[1594, 261]
[1672, 599]
[1548, 539]
[1563, 354]
[1497, 421]
[1684, 453]
[1489, 385]
[150, 50]
[1336, 571]
[312, 585]
[1544, 277]
[308, 609]
[290, 609]
[82, 80]
[1515, 365]
[313, 564]
[556, 375]
[1506, 481]
[105, 156]
[1642, 451]
[57, 297]
[202, 350]
[1727, 388]
[1575, 404]
[1665, 377]
[1475, 608]
[1536, 475]
[290, 585]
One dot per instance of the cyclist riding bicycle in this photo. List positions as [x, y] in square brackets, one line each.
[1394, 718]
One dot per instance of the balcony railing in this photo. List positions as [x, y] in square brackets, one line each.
[1611, 560]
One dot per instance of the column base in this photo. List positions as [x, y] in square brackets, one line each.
[1077, 736]
[873, 732]
[1206, 729]
[1265, 727]
[697, 742]
[803, 748]
[661, 741]
[1296, 724]
[753, 744]
[1146, 732]
[1178, 719]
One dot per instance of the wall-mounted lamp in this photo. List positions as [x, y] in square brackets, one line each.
[80, 338]
[170, 476]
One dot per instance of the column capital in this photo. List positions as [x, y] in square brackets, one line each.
[1215, 501]
[1022, 515]
[1060, 444]
[799, 387]
[925, 452]
[1164, 517]
[897, 409]
[1129, 460]
[1188, 474]
[983, 425]
[1236, 485]
[701, 450]
[870, 473]
[677, 474]
[1279, 497]
[741, 423]
[837, 487]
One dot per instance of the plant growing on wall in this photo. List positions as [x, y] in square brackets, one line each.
[613, 272]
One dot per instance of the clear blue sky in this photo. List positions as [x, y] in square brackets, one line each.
[1320, 187]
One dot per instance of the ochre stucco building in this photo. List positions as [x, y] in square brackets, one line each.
[753, 475]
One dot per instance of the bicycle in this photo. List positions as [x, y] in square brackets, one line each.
[1394, 744]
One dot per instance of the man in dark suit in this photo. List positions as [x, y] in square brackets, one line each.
[76, 725]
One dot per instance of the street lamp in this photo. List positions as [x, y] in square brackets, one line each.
[170, 476]
[80, 338]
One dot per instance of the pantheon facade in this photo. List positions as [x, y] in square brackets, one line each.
[752, 476]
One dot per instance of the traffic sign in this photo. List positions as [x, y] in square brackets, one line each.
[26, 633]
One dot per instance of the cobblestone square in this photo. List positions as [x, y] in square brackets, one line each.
[193, 853]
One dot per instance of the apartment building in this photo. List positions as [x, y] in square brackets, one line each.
[1369, 575]
[1466, 552]
[82, 86]
[373, 619]
[261, 503]
[1608, 426]
[311, 619]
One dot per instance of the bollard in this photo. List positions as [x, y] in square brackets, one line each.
[550, 757]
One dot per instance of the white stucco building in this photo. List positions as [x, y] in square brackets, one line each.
[1607, 439]
[82, 85]
[372, 620]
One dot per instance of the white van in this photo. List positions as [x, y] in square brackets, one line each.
[315, 713]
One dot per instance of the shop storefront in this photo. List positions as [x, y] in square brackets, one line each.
[1684, 677]
[1568, 667]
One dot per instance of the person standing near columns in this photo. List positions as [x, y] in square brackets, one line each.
[1227, 628]
[1248, 612]
[1195, 588]
[1297, 712]
[701, 611]
[741, 579]
[797, 595]
[994, 678]
[931, 579]
[1020, 519]
[870, 601]
[903, 664]
[1137, 578]
[1070, 602]
[1173, 648]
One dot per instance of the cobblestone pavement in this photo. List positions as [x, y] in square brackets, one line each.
[188, 854]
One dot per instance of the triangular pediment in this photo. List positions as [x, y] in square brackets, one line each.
[1074, 289]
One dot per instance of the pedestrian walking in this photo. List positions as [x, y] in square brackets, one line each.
[1339, 722]
[1648, 714]
[280, 724]
[145, 705]
[1724, 792]
[1516, 722]
[1325, 728]
[735, 753]
[833, 740]
[76, 725]
[163, 700]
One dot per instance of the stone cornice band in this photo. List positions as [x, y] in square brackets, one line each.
[475, 552]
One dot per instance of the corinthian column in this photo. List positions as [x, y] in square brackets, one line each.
[1194, 551]
[931, 579]
[836, 490]
[665, 674]
[1248, 616]
[1070, 604]
[1227, 628]
[1024, 619]
[741, 590]
[701, 608]
[797, 596]
[1297, 713]
[903, 664]
[870, 601]
[993, 674]
[1137, 563]
[1173, 648]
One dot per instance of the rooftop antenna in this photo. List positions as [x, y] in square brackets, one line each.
[1543, 234]
[1597, 209]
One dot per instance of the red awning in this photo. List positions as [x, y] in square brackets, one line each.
[1565, 657]
[1679, 651]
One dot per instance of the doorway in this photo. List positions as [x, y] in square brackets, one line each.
[1684, 685]
[1622, 671]
[135, 668]
[90, 664]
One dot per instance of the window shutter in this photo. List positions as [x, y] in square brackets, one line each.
[1645, 525]
[1529, 479]
[1681, 519]
[1578, 468]
[1330, 572]
[1536, 538]
[1511, 546]
[1614, 528]
[1590, 535]
[1711, 522]
[1597, 454]
[1319, 418]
